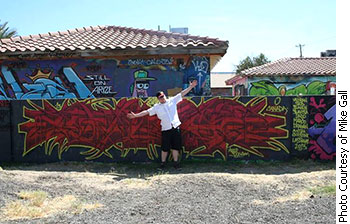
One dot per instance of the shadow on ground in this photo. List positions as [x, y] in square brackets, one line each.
[145, 170]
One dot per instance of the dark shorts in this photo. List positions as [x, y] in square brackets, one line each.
[171, 139]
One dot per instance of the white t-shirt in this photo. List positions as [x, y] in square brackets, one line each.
[167, 112]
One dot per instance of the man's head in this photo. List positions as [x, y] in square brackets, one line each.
[161, 96]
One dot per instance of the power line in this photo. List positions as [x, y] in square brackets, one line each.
[308, 43]
[300, 47]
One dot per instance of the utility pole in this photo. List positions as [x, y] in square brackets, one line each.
[300, 46]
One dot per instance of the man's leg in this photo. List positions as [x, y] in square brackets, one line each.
[165, 148]
[175, 155]
[176, 145]
[164, 156]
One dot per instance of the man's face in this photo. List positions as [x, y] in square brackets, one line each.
[162, 98]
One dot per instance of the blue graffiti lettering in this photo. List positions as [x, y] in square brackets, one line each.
[80, 87]
[10, 79]
[44, 88]
[3, 95]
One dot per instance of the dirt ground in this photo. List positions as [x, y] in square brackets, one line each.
[202, 192]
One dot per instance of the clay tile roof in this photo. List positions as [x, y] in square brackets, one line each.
[104, 37]
[295, 66]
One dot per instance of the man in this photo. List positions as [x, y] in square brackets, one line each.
[166, 111]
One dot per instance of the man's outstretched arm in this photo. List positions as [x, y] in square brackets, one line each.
[192, 85]
[131, 115]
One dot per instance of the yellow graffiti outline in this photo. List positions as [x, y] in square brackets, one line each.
[275, 142]
[230, 149]
[25, 152]
[277, 101]
[125, 151]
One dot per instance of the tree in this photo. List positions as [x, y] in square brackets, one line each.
[6, 32]
[252, 62]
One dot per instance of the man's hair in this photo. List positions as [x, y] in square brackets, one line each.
[159, 93]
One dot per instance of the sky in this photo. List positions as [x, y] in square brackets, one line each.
[271, 27]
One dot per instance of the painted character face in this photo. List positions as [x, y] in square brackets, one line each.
[141, 89]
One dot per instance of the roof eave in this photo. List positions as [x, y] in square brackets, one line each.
[210, 50]
[289, 74]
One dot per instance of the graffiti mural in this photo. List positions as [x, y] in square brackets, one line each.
[198, 69]
[300, 136]
[141, 84]
[230, 127]
[88, 78]
[95, 124]
[164, 64]
[322, 128]
[59, 79]
[225, 127]
[288, 86]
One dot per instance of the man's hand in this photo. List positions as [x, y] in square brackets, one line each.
[131, 115]
[193, 83]
[189, 88]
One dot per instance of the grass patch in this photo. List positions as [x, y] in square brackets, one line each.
[327, 190]
[37, 204]
[324, 190]
[35, 198]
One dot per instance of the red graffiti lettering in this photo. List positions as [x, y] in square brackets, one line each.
[210, 127]
[97, 124]
[219, 123]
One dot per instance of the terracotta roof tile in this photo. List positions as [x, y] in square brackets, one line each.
[295, 66]
[103, 37]
[291, 66]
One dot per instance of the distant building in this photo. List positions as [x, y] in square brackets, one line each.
[287, 76]
[179, 30]
[218, 85]
[329, 53]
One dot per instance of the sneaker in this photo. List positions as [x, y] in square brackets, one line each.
[177, 166]
[161, 167]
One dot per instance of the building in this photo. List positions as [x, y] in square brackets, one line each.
[329, 53]
[106, 61]
[288, 76]
[178, 30]
[218, 85]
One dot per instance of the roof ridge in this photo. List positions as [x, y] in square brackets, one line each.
[103, 37]
[313, 58]
[98, 27]
[295, 66]
[52, 33]
[160, 32]
[266, 65]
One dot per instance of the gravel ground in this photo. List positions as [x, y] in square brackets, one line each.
[202, 192]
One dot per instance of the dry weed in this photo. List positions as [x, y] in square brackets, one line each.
[37, 204]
